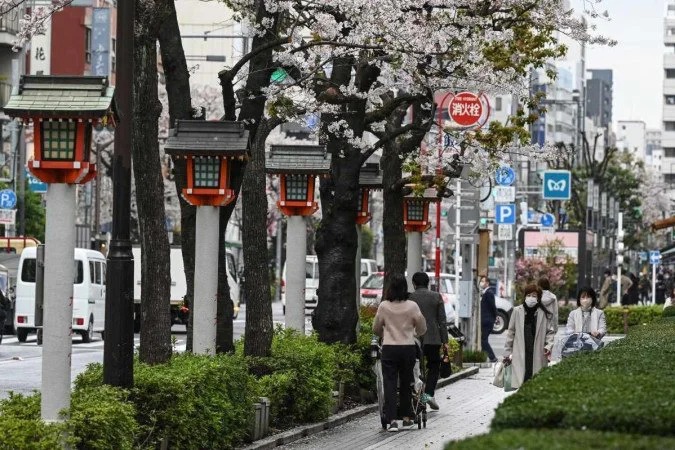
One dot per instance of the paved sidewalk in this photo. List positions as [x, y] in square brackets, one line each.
[466, 409]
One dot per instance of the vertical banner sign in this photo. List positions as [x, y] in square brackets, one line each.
[41, 45]
[603, 205]
[100, 42]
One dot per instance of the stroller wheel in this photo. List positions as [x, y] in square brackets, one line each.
[424, 422]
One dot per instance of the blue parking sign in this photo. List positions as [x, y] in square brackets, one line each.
[557, 185]
[505, 214]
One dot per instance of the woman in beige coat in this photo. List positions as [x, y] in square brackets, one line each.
[529, 338]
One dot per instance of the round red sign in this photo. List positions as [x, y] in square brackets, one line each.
[465, 109]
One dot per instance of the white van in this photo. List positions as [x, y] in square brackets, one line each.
[179, 315]
[88, 294]
[368, 267]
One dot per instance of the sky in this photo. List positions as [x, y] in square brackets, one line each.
[637, 59]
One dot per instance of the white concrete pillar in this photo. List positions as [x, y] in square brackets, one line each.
[58, 300]
[414, 258]
[206, 281]
[296, 252]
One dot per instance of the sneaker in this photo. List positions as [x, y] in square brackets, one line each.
[407, 423]
[432, 403]
[393, 427]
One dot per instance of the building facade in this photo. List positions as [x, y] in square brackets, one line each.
[668, 126]
[631, 137]
[599, 97]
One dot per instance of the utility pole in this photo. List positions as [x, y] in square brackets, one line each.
[118, 350]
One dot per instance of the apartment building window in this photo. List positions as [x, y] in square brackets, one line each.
[669, 152]
[671, 31]
[87, 44]
[498, 104]
[669, 99]
[669, 126]
[669, 178]
[670, 73]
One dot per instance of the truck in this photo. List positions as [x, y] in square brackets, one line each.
[179, 313]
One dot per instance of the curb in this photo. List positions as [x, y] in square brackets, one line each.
[339, 419]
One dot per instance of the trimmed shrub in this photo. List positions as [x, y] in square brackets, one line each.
[470, 356]
[101, 418]
[22, 427]
[194, 401]
[668, 312]
[626, 387]
[637, 315]
[563, 314]
[561, 440]
[301, 378]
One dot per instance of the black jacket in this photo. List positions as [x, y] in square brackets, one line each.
[488, 308]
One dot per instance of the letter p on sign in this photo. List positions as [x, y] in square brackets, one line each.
[505, 214]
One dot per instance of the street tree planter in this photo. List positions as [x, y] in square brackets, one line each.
[63, 110]
[208, 148]
[297, 167]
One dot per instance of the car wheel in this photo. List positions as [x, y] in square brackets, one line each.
[501, 323]
[21, 334]
[88, 334]
[39, 336]
[284, 309]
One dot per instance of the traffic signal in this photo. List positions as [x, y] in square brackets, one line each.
[619, 247]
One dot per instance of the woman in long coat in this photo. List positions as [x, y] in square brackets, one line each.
[529, 337]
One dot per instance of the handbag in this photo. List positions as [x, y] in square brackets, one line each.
[499, 375]
[445, 369]
[507, 379]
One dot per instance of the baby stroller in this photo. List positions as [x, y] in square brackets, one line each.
[576, 342]
[419, 407]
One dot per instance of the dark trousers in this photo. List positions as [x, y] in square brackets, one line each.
[398, 362]
[432, 355]
[486, 329]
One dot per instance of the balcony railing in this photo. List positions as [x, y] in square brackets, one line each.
[9, 22]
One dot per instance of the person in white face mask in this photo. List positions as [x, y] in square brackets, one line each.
[587, 318]
[529, 338]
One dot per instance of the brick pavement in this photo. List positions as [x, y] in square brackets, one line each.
[466, 409]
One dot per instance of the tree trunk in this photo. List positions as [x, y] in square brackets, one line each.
[155, 267]
[259, 329]
[180, 107]
[392, 224]
[261, 66]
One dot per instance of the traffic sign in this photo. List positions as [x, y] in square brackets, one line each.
[8, 216]
[505, 176]
[504, 232]
[547, 220]
[557, 185]
[34, 184]
[654, 257]
[7, 199]
[465, 109]
[644, 256]
[504, 194]
[505, 214]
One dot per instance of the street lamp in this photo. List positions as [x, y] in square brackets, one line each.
[297, 167]
[415, 222]
[63, 110]
[207, 148]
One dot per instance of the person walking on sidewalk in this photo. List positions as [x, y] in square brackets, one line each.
[433, 310]
[549, 300]
[529, 338]
[606, 290]
[488, 315]
[397, 321]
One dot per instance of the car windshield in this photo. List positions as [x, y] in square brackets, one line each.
[375, 281]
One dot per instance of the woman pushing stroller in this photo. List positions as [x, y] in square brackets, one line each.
[397, 322]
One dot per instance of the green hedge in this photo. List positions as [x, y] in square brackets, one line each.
[669, 311]
[194, 401]
[626, 387]
[99, 419]
[300, 377]
[562, 440]
[637, 315]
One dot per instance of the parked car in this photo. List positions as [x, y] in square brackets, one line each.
[504, 309]
[371, 291]
[311, 284]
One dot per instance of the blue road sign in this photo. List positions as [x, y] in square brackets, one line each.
[35, 185]
[547, 220]
[557, 185]
[7, 199]
[505, 214]
[447, 140]
[644, 256]
[654, 257]
[505, 176]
